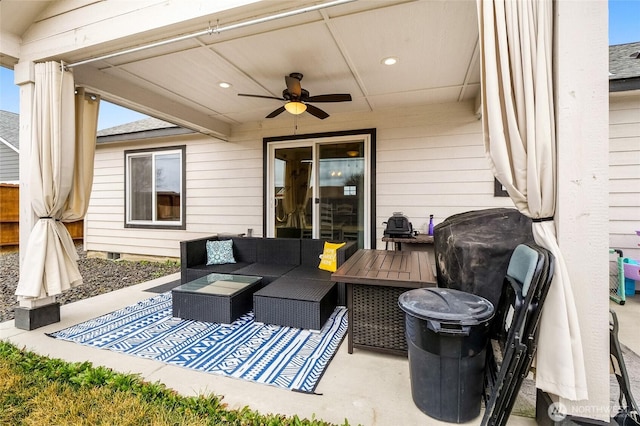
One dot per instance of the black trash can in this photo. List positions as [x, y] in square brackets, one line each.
[447, 334]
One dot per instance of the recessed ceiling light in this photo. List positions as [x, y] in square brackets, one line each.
[391, 60]
[224, 84]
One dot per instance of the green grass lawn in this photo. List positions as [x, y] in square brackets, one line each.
[36, 390]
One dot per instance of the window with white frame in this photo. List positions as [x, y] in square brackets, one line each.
[349, 190]
[155, 188]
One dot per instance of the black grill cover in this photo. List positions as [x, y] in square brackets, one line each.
[473, 249]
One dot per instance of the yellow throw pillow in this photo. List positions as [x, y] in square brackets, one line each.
[329, 257]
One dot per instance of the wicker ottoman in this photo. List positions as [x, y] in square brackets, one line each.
[292, 302]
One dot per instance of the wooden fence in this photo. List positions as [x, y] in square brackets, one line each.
[10, 218]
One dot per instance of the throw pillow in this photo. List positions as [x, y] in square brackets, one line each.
[220, 252]
[329, 257]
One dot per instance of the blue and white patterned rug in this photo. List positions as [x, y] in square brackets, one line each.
[280, 356]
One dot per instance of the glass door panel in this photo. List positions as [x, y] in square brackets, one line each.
[292, 177]
[341, 191]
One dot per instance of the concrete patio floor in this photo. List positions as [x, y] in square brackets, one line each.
[365, 387]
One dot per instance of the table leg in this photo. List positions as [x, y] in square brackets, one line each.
[350, 317]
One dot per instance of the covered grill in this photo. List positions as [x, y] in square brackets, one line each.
[398, 226]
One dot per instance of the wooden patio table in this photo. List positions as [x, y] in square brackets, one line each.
[375, 279]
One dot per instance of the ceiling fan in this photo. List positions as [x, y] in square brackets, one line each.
[297, 99]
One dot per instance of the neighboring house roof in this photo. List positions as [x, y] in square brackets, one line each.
[9, 126]
[624, 67]
[141, 129]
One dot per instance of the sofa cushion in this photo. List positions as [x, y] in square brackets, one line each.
[222, 269]
[245, 249]
[220, 252]
[279, 251]
[269, 271]
[310, 251]
[304, 272]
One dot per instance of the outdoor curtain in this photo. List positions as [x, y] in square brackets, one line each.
[519, 133]
[295, 195]
[63, 136]
[86, 125]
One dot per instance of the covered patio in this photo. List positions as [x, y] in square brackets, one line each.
[167, 59]
[347, 389]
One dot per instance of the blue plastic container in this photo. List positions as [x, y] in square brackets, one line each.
[629, 284]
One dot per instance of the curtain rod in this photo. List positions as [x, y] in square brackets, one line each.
[211, 31]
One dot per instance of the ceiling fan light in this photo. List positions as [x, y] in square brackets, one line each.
[352, 153]
[295, 107]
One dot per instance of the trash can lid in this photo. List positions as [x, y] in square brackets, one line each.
[446, 305]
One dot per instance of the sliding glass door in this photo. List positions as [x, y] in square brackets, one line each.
[319, 189]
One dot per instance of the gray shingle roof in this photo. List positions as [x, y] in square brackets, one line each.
[624, 61]
[9, 126]
[143, 125]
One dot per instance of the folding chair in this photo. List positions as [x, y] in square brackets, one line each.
[514, 337]
[629, 413]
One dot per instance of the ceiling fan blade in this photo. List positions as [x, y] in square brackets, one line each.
[336, 97]
[316, 112]
[260, 96]
[293, 86]
[276, 112]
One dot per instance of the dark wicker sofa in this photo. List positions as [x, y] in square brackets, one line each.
[302, 295]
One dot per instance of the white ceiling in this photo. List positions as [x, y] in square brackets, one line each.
[338, 49]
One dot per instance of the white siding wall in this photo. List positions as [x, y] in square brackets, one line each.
[624, 172]
[433, 164]
[224, 186]
[430, 160]
[223, 193]
[9, 165]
